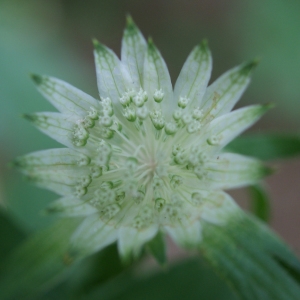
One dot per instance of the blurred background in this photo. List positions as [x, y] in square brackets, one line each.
[54, 38]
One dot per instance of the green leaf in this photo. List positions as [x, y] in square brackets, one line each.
[157, 247]
[267, 146]
[10, 235]
[191, 279]
[95, 271]
[260, 203]
[251, 259]
[39, 262]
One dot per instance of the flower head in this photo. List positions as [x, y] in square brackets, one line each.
[146, 158]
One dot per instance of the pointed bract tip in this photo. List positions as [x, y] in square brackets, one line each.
[248, 67]
[51, 210]
[268, 106]
[37, 79]
[204, 44]
[97, 45]
[268, 170]
[129, 21]
[13, 164]
[29, 117]
[151, 45]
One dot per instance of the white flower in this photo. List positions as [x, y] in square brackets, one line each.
[146, 158]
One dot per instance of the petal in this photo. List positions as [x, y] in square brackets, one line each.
[56, 169]
[133, 52]
[92, 235]
[58, 126]
[218, 207]
[233, 170]
[186, 234]
[66, 98]
[224, 93]
[131, 240]
[156, 77]
[70, 207]
[195, 74]
[51, 157]
[225, 128]
[112, 77]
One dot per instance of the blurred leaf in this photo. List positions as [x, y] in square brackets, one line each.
[157, 247]
[39, 262]
[189, 280]
[266, 146]
[95, 270]
[252, 259]
[260, 202]
[10, 235]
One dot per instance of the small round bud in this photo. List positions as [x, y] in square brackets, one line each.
[106, 133]
[93, 113]
[96, 171]
[158, 96]
[187, 118]
[196, 199]
[83, 160]
[85, 181]
[197, 113]
[138, 197]
[79, 143]
[110, 210]
[183, 102]
[138, 223]
[180, 158]
[170, 128]
[88, 122]
[125, 99]
[193, 126]
[138, 100]
[106, 121]
[159, 203]
[213, 140]
[158, 123]
[198, 170]
[176, 149]
[176, 181]
[177, 114]
[80, 191]
[130, 114]
[142, 112]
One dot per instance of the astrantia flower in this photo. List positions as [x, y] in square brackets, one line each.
[145, 158]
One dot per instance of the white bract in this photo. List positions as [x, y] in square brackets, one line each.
[146, 158]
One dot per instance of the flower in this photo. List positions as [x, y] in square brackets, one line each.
[146, 158]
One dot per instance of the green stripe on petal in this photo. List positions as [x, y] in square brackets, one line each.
[225, 128]
[112, 77]
[66, 98]
[58, 126]
[233, 170]
[131, 240]
[91, 236]
[156, 77]
[51, 157]
[251, 259]
[70, 207]
[195, 74]
[223, 94]
[133, 52]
